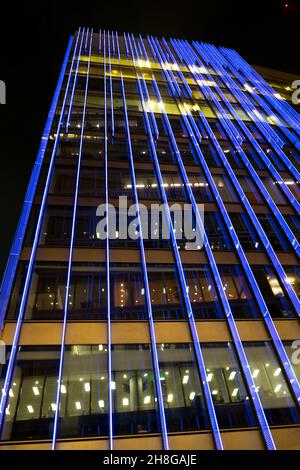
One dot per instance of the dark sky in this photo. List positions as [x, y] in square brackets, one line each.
[33, 38]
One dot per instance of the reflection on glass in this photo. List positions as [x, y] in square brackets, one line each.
[182, 394]
[127, 292]
[165, 292]
[293, 351]
[202, 292]
[271, 384]
[273, 292]
[87, 293]
[47, 292]
[31, 402]
[227, 386]
[133, 390]
[84, 392]
[237, 289]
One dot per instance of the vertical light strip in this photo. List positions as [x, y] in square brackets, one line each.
[249, 109]
[7, 380]
[290, 235]
[145, 275]
[263, 308]
[64, 327]
[74, 84]
[197, 348]
[258, 295]
[111, 88]
[214, 57]
[275, 261]
[230, 320]
[284, 108]
[109, 365]
[153, 120]
[15, 251]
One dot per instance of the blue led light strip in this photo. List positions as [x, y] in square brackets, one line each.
[145, 275]
[277, 265]
[7, 380]
[215, 58]
[197, 348]
[286, 110]
[260, 300]
[74, 84]
[290, 235]
[252, 281]
[230, 320]
[263, 308]
[111, 88]
[63, 337]
[109, 359]
[152, 121]
[15, 251]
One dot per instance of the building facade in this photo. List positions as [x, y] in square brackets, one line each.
[138, 342]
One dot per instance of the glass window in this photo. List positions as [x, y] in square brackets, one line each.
[293, 277]
[238, 292]
[294, 224]
[133, 390]
[271, 384]
[217, 232]
[181, 388]
[274, 190]
[227, 386]
[274, 232]
[87, 293]
[292, 349]
[245, 231]
[202, 292]
[273, 292]
[200, 188]
[84, 392]
[127, 292]
[16, 292]
[250, 189]
[47, 292]
[31, 402]
[225, 188]
[165, 292]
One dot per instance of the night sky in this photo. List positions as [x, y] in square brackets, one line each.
[33, 41]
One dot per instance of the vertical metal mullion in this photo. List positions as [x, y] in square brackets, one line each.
[42, 149]
[275, 261]
[109, 358]
[145, 275]
[111, 87]
[229, 317]
[55, 426]
[74, 84]
[290, 235]
[16, 247]
[196, 343]
[285, 362]
[286, 110]
[245, 102]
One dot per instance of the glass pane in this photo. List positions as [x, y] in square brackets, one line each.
[273, 292]
[31, 402]
[183, 398]
[133, 390]
[238, 292]
[271, 384]
[84, 392]
[165, 292]
[202, 292]
[227, 386]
